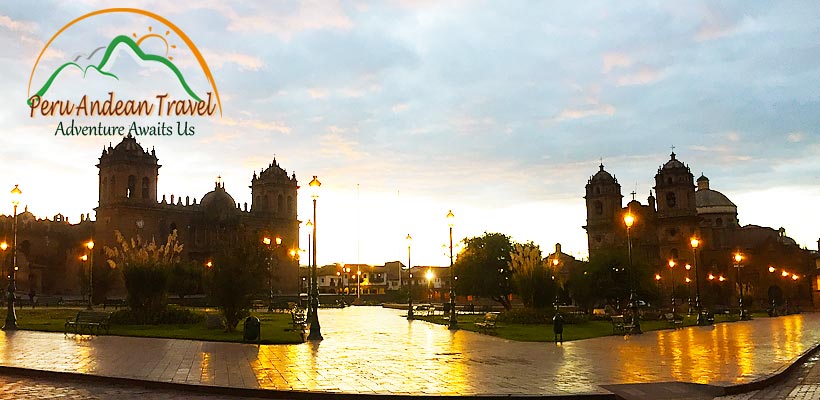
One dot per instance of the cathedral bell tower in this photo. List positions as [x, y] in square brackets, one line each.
[677, 215]
[603, 201]
[128, 174]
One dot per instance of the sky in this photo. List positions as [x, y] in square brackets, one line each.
[498, 111]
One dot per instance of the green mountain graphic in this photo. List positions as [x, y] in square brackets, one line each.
[107, 56]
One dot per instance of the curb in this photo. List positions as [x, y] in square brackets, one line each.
[773, 378]
[272, 393]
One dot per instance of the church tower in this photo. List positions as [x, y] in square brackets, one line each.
[128, 175]
[603, 201]
[274, 193]
[677, 216]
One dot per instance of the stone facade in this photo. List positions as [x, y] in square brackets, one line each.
[664, 227]
[128, 203]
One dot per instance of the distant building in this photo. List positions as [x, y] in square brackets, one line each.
[664, 227]
[128, 203]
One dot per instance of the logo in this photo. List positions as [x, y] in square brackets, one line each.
[122, 62]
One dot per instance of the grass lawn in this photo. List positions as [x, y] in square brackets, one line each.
[275, 327]
[543, 332]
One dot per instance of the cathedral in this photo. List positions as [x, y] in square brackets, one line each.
[50, 249]
[683, 208]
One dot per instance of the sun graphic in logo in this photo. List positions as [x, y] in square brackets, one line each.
[151, 34]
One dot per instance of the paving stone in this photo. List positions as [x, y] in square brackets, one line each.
[375, 350]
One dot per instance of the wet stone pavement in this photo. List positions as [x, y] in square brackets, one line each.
[370, 350]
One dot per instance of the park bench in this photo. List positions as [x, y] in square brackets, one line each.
[48, 301]
[116, 303]
[487, 325]
[427, 310]
[621, 325]
[673, 321]
[89, 321]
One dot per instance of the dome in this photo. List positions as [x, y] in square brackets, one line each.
[218, 199]
[602, 176]
[673, 163]
[129, 144]
[710, 201]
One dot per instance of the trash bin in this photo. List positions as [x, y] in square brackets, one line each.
[251, 332]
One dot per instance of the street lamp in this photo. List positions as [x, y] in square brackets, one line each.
[409, 240]
[11, 316]
[267, 242]
[629, 220]
[309, 286]
[738, 258]
[429, 275]
[701, 318]
[90, 246]
[672, 284]
[315, 329]
[453, 324]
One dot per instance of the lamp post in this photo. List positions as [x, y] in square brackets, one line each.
[11, 316]
[410, 277]
[701, 320]
[453, 324]
[90, 246]
[267, 242]
[738, 258]
[672, 284]
[309, 286]
[358, 282]
[555, 263]
[629, 220]
[429, 275]
[315, 328]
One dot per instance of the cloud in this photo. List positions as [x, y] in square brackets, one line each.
[17, 26]
[245, 62]
[255, 124]
[399, 107]
[643, 76]
[615, 60]
[579, 113]
[308, 15]
[334, 144]
[795, 137]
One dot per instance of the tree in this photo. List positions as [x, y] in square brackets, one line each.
[185, 279]
[531, 277]
[234, 277]
[145, 268]
[482, 268]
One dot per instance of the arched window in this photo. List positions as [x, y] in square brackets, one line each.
[671, 201]
[280, 203]
[132, 186]
[173, 228]
[267, 205]
[112, 190]
[145, 186]
[104, 188]
[597, 190]
[674, 253]
[290, 205]
[599, 208]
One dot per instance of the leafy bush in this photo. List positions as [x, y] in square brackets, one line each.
[167, 316]
[526, 316]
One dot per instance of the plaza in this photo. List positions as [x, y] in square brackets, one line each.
[397, 357]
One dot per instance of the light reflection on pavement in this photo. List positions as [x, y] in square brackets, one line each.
[375, 350]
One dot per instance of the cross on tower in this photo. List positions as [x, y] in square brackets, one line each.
[633, 195]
